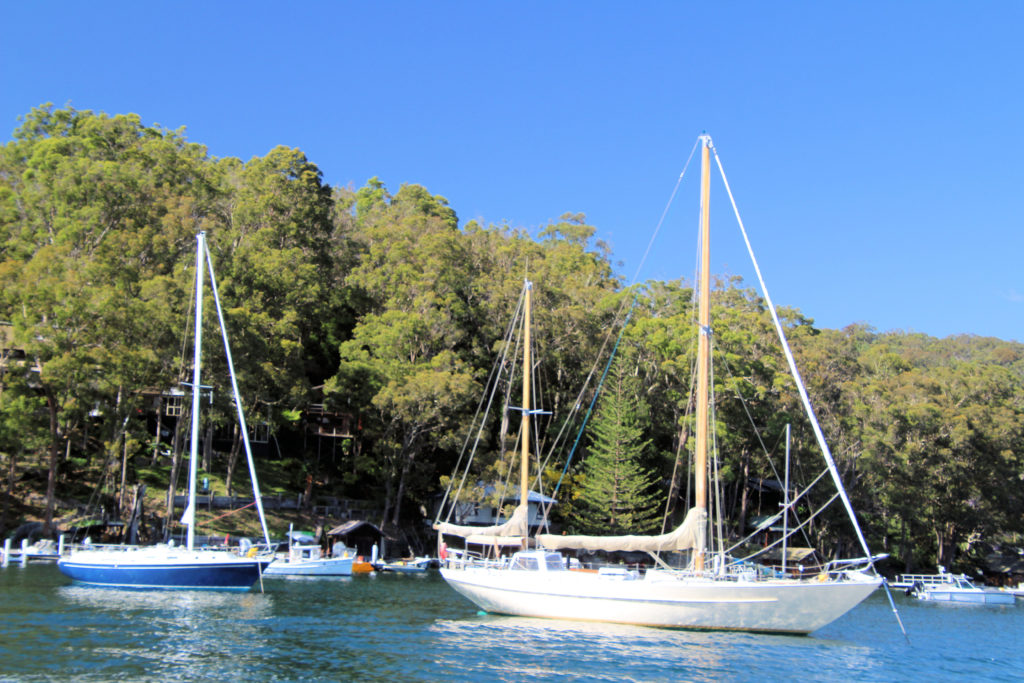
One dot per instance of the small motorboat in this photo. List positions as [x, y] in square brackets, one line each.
[907, 582]
[958, 588]
[308, 560]
[1016, 591]
[416, 565]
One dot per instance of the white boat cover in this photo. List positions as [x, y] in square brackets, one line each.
[515, 527]
[689, 534]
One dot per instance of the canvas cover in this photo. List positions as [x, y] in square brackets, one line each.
[515, 527]
[689, 534]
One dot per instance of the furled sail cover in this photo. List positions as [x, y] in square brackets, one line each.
[689, 534]
[514, 527]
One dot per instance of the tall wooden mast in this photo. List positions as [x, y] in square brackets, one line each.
[704, 341]
[524, 476]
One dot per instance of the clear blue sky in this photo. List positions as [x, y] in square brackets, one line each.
[876, 149]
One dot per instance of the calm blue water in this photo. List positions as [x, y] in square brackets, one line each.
[417, 629]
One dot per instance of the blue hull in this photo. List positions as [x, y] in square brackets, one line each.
[205, 576]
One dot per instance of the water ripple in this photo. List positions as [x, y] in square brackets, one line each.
[417, 629]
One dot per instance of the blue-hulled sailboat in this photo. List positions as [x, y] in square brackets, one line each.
[180, 567]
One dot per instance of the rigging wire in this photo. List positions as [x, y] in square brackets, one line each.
[764, 449]
[590, 409]
[826, 452]
[625, 324]
[493, 381]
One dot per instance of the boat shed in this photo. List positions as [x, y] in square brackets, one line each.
[357, 534]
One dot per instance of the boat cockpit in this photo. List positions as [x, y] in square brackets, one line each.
[537, 561]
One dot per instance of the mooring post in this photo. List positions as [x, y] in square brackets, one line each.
[24, 552]
[60, 546]
[7, 552]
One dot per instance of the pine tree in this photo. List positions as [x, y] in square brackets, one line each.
[616, 495]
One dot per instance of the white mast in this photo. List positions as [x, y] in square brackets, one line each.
[190, 510]
[785, 506]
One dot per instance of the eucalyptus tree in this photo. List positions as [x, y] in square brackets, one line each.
[403, 359]
[22, 430]
[99, 211]
[273, 245]
[745, 385]
[941, 451]
[577, 309]
[574, 326]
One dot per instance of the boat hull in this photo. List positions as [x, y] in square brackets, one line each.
[338, 566]
[778, 606]
[976, 597]
[197, 570]
[404, 567]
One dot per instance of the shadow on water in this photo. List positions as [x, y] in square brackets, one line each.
[416, 628]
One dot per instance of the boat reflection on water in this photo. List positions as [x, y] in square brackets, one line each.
[528, 645]
[526, 648]
[181, 604]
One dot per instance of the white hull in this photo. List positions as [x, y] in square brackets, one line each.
[336, 566]
[661, 599]
[974, 596]
[417, 566]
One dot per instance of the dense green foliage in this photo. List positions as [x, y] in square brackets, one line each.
[380, 305]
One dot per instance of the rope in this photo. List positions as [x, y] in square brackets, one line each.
[792, 504]
[777, 542]
[226, 514]
[764, 448]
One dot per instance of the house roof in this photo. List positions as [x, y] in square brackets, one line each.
[531, 497]
[354, 525]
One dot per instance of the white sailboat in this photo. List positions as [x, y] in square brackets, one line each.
[537, 581]
[169, 566]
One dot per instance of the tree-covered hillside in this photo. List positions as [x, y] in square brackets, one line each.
[376, 305]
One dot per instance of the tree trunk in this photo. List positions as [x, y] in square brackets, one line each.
[177, 447]
[396, 511]
[124, 475]
[946, 539]
[408, 455]
[51, 481]
[307, 495]
[236, 446]
[744, 494]
[135, 518]
[208, 448]
[675, 487]
[10, 492]
[159, 426]
[389, 488]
